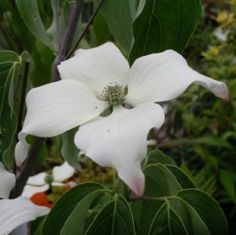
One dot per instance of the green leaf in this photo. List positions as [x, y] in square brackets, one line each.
[29, 12]
[163, 24]
[74, 225]
[143, 212]
[160, 181]
[228, 180]
[43, 58]
[182, 178]
[173, 208]
[115, 218]
[9, 70]
[207, 208]
[69, 150]
[191, 211]
[101, 30]
[7, 58]
[119, 15]
[10, 84]
[56, 219]
[156, 156]
[166, 222]
[176, 216]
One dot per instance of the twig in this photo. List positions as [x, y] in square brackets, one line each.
[67, 38]
[25, 171]
[86, 28]
[27, 168]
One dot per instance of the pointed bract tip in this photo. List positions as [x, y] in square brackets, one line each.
[226, 97]
[135, 182]
[138, 191]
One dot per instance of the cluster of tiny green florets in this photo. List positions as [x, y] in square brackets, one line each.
[114, 94]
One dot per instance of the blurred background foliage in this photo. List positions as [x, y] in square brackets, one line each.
[200, 130]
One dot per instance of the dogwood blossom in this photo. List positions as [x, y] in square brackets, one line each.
[40, 182]
[98, 78]
[14, 212]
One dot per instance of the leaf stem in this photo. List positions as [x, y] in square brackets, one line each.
[86, 28]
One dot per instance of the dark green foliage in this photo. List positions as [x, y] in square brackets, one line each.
[170, 205]
[163, 24]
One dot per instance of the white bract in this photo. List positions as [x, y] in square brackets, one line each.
[221, 34]
[40, 182]
[98, 78]
[7, 182]
[14, 212]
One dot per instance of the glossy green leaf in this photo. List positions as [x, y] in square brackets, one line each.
[157, 156]
[160, 181]
[15, 34]
[173, 208]
[207, 208]
[167, 222]
[7, 58]
[69, 150]
[101, 30]
[163, 24]
[182, 178]
[43, 58]
[144, 212]
[177, 216]
[56, 219]
[114, 219]
[29, 12]
[10, 83]
[191, 211]
[74, 224]
[9, 70]
[119, 15]
[8, 120]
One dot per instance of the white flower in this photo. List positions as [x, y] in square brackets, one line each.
[98, 78]
[7, 182]
[221, 34]
[39, 182]
[14, 212]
